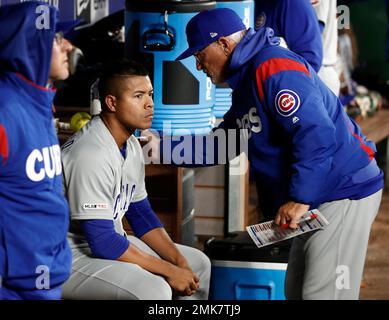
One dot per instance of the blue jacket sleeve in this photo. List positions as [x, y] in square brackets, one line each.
[299, 26]
[103, 240]
[142, 218]
[295, 102]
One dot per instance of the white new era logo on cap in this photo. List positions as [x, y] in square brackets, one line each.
[213, 34]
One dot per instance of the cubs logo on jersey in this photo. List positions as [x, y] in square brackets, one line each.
[287, 102]
[123, 200]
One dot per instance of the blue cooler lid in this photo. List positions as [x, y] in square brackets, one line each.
[169, 5]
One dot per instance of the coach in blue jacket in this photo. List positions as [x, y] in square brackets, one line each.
[302, 146]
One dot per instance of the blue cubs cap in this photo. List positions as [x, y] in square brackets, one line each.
[208, 26]
[67, 26]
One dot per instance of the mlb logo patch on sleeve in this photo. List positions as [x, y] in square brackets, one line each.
[95, 206]
[287, 102]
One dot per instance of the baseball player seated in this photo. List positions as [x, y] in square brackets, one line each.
[104, 174]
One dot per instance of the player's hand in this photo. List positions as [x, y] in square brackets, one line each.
[183, 281]
[182, 263]
[291, 213]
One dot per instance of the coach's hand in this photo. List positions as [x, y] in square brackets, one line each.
[290, 214]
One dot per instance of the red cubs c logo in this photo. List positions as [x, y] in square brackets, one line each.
[287, 102]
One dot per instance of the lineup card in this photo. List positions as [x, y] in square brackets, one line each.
[268, 232]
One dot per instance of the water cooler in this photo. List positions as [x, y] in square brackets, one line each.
[155, 35]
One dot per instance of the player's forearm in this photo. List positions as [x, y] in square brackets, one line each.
[161, 243]
[150, 263]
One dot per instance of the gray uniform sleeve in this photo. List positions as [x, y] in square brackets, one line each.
[140, 192]
[89, 183]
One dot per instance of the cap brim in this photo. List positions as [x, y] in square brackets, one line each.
[67, 26]
[188, 52]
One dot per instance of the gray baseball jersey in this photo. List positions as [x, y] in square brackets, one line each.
[99, 183]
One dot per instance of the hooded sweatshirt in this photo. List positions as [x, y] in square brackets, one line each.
[33, 211]
[302, 146]
[296, 22]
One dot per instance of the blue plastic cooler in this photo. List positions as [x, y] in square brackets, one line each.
[241, 271]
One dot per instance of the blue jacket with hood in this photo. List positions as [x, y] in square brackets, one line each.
[34, 215]
[296, 22]
[302, 145]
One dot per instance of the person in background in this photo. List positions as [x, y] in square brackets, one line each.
[35, 258]
[295, 22]
[326, 11]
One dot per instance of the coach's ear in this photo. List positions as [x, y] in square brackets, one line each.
[227, 45]
[110, 102]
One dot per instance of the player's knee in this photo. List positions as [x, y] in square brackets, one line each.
[204, 264]
[159, 290]
[204, 272]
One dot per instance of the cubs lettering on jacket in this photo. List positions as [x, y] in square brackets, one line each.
[250, 121]
[45, 162]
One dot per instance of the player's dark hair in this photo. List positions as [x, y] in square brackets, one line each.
[114, 73]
